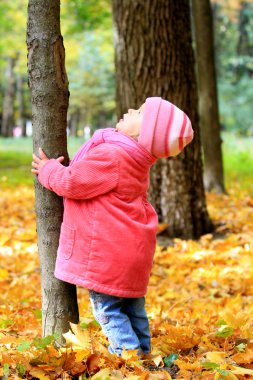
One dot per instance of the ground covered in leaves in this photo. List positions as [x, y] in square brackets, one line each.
[200, 304]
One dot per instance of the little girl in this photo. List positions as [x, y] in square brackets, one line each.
[108, 234]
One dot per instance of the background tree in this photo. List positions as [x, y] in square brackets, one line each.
[12, 59]
[92, 80]
[234, 84]
[49, 96]
[245, 40]
[208, 97]
[21, 120]
[8, 99]
[154, 57]
[87, 28]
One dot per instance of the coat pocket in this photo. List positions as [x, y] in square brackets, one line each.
[67, 241]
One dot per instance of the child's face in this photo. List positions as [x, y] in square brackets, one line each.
[131, 123]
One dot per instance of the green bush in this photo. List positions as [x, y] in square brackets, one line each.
[235, 101]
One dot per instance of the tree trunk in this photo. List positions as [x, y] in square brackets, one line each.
[208, 99]
[8, 102]
[21, 106]
[49, 96]
[74, 122]
[154, 57]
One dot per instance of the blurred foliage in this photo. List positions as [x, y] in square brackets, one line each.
[13, 31]
[88, 38]
[87, 31]
[87, 15]
[92, 79]
[236, 99]
[233, 26]
[16, 153]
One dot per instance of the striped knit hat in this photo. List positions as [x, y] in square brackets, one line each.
[165, 129]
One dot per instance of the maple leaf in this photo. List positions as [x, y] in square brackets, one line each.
[217, 357]
[39, 374]
[241, 371]
[243, 357]
[4, 274]
[161, 227]
[193, 285]
[78, 337]
[131, 358]
[93, 364]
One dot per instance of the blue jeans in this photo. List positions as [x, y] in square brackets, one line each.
[123, 320]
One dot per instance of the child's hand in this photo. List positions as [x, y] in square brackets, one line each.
[39, 162]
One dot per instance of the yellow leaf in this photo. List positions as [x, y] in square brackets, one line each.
[230, 376]
[80, 337]
[104, 374]
[161, 227]
[3, 274]
[129, 355]
[241, 371]
[215, 357]
[243, 357]
[164, 375]
[183, 365]
[158, 360]
[80, 352]
[39, 373]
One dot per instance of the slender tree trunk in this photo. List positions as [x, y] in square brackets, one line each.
[21, 106]
[74, 122]
[208, 98]
[154, 57]
[49, 96]
[102, 122]
[8, 102]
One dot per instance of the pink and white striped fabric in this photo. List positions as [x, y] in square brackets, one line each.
[165, 129]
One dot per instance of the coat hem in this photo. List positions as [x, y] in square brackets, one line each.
[99, 287]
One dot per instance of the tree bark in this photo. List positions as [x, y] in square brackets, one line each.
[154, 57]
[49, 96]
[208, 98]
[8, 102]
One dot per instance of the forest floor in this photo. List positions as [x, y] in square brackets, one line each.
[199, 301]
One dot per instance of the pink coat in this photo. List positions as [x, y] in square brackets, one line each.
[108, 234]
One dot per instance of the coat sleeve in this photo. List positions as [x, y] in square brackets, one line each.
[96, 174]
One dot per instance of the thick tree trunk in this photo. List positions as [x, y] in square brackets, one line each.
[208, 99]
[8, 102]
[154, 57]
[49, 96]
[21, 106]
